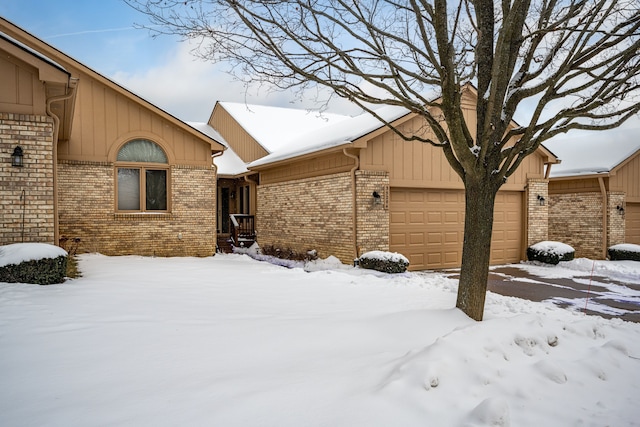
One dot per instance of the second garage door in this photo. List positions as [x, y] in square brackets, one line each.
[427, 226]
[632, 223]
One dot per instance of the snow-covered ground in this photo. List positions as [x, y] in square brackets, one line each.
[231, 341]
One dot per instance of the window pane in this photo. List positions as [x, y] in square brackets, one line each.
[128, 189]
[142, 150]
[156, 188]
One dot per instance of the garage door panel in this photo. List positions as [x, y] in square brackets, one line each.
[439, 214]
[632, 223]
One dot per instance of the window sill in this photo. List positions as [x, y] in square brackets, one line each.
[142, 216]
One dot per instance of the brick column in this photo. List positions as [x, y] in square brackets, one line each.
[615, 218]
[537, 210]
[373, 214]
[26, 193]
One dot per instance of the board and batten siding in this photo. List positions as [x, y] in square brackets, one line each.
[238, 138]
[104, 120]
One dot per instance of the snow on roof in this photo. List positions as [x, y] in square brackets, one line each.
[230, 163]
[333, 135]
[31, 51]
[206, 129]
[273, 126]
[593, 152]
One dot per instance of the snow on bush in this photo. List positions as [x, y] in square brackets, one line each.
[387, 262]
[550, 252]
[625, 251]
[38, 263]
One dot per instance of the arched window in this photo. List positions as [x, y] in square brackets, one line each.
[142, 177]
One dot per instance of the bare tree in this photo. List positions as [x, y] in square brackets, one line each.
[574, 63]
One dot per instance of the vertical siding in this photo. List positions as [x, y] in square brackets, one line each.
[240, 141]
[627, 179]
[20, 89]
[104, 118]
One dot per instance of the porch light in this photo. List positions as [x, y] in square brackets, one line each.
[541, 200]
[377, 199]
[620, 209]
[17, 157]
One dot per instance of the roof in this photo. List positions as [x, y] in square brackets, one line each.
[274, 127]
[597, 152]
[59, 59]
[332, 135]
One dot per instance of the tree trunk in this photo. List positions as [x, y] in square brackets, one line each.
[476, 250]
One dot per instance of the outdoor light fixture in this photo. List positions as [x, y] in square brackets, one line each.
[17, 157]
[377, 198]
[541, 200]
[620, 209]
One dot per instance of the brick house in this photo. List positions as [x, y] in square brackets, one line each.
[98, 162]
[351, 185]
[594, 194]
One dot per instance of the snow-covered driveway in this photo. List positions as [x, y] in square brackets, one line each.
[229, 341]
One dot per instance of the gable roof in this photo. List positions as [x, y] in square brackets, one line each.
[28, 41]
[274, 127]
[598, 152]
[338, 134]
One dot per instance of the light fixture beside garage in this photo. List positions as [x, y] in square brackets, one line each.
[377, 198]
[541, 200]
[620, 210]
[17, 157]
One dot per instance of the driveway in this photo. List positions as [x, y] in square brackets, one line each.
[602, 296]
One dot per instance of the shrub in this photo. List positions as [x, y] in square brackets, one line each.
[45, 271]
[289, 254]
[550, 252]
[624, 252]
[386, 262]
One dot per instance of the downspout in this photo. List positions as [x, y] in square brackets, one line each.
[255, 185]
[215, 197]
[73, 82]
[354, 194]
[605, 231]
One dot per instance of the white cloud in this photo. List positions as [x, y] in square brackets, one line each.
[188, 88]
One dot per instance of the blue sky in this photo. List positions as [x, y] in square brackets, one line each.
[101, 35]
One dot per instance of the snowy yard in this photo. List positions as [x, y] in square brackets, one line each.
[230, 341]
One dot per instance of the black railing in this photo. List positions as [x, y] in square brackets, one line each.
[243, 229]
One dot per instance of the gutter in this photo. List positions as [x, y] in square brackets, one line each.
[71, 91]
[354, 194]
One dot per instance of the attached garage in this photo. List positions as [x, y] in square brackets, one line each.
[427, 226]
[632, 219]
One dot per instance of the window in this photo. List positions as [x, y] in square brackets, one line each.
[142, 177]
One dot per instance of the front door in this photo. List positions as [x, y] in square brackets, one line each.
[224, 210]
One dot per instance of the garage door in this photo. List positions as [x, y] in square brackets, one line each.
[427, 226]
[632, 223]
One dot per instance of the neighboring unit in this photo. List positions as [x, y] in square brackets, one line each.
[99, 163]
[595, 192]
[351, 185]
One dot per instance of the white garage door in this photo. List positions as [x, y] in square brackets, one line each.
[427, 226]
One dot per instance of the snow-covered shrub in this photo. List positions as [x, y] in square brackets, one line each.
[550, 252]
[623, 252]
[289, 253]
[387, 262]
[37, 263]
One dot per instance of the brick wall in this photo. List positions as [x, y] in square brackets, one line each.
[312, 213]
[576, 219]
[27, 192]
[87, 211]
[373, 217]
[537, 215]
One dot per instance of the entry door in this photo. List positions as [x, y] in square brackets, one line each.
[224, 210]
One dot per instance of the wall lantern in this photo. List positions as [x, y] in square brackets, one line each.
[541, 200]
[377, 198]
[17, 157]
[620, 209]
